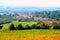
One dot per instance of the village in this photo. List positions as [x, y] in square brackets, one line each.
[48, 20]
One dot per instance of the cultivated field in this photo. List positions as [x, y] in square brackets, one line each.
[30, 35]
[33, 34]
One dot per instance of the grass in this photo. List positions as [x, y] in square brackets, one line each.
[34, 34]
[6, 26]
[28, 32]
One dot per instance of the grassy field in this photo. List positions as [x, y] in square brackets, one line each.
[6, 26]
[33, 34]
[30, 34]
[32, 31]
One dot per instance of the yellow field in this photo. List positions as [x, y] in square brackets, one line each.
[30, 35]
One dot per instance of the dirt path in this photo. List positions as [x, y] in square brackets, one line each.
[32, 37]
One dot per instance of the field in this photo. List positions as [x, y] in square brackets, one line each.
[30, 35]
[6, 26]
[33, 34]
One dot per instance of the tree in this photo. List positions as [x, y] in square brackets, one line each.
[38, 26]
[45, 26]
[56, 25]
[1, 26]
[12, 27]
[34, 26]
[28, 27]
[20, 27]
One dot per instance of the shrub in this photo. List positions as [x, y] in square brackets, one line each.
[56, 25]
[28, 27]
[20, 27]
[34, 26]
[38, 26]
[1, 26]
[12, 27]
[45, 26]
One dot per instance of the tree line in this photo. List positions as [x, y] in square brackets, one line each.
[49, 14]
[34, 26]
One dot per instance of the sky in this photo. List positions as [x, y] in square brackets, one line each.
[36, 3]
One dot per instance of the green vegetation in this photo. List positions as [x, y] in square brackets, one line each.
[28, 32]
[12, 27]
[1, 26]
[15, 25]
[5, 19]
[50, 14]
[30, 23]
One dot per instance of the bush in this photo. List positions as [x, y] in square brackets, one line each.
[38, 26]
[56, 25]
[1, 26]
[12, 27]
[28, 27]
[34, 26]
[20, 27]
[45, 26]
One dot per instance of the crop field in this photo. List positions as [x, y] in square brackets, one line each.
[30, 35]
[33, 34]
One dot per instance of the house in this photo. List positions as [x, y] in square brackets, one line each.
[24, 16]
[48, 20]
